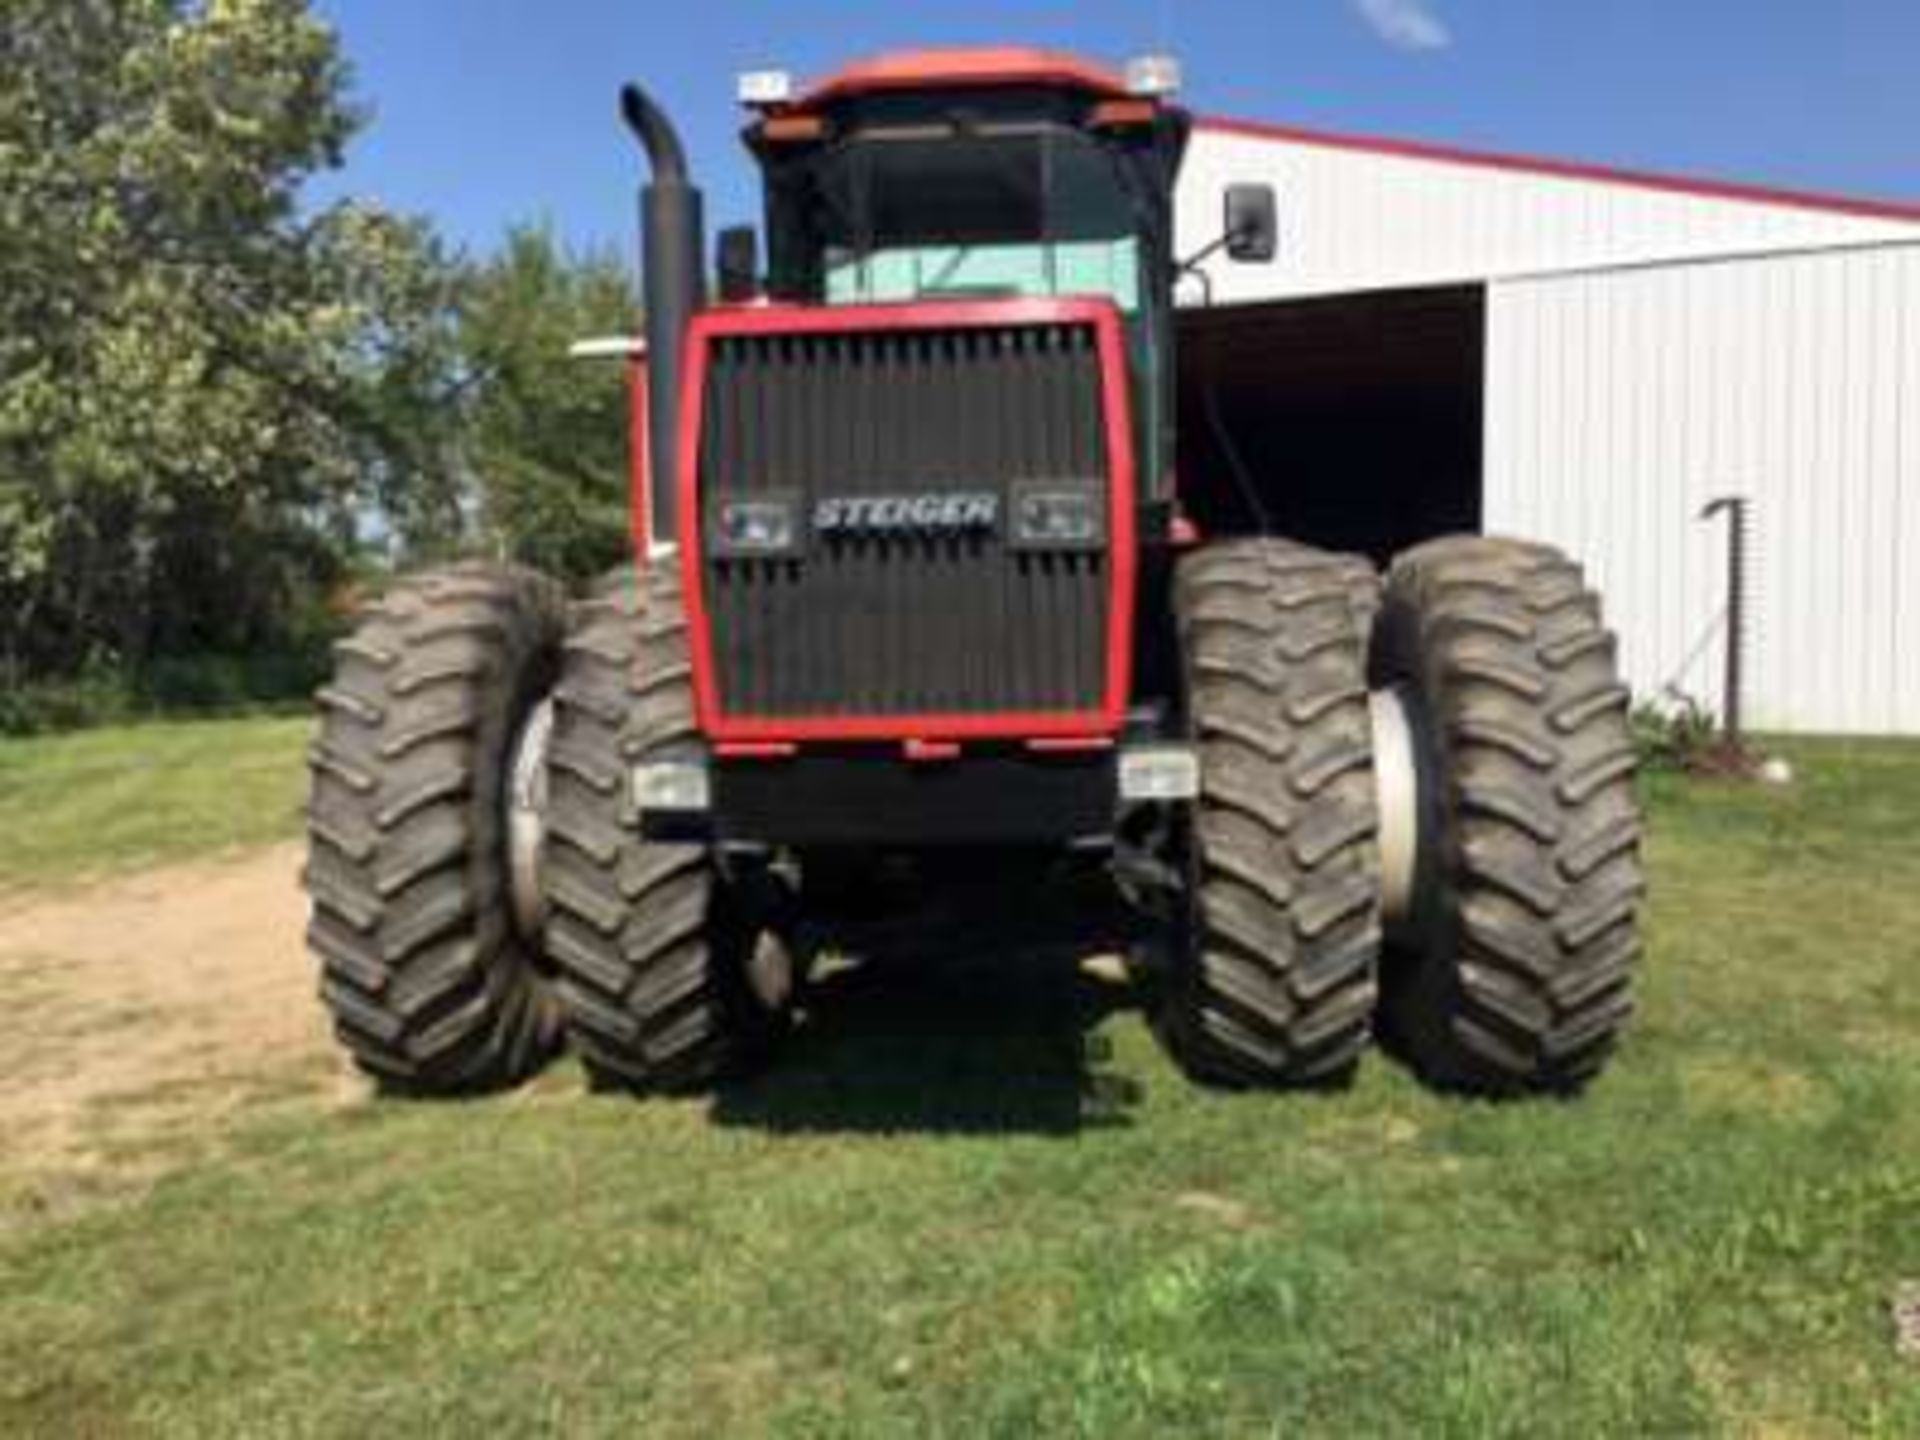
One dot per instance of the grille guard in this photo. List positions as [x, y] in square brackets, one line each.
[727, 726]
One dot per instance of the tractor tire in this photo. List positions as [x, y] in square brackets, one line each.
[1514, 971]
[1362, 579]
[1273, 981]
[432, 986]
[673, 975]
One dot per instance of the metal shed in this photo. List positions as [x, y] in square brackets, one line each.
[1585, 355]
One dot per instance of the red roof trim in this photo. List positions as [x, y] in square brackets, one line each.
[1570, 170]
[964, 68]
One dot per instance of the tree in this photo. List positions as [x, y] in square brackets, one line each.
[547, 434]
[201, 388]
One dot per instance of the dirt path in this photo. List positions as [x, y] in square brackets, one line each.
[143, 1011]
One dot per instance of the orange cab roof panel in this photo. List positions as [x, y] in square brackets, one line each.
[964, 69]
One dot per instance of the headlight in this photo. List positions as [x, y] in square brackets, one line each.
[1059, 516]
[1159, 772]
[764, 525]
[671, 787]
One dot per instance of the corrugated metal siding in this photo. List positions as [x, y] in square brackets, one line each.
[1354, 219]
[1620, 402]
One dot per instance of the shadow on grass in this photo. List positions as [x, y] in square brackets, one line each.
[990, 1045]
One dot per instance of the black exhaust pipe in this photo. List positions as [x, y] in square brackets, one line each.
[672, 242]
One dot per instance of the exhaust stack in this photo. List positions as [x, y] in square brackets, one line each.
[672, 233]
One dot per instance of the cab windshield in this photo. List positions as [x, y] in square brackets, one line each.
[997, 195]
[926, 214]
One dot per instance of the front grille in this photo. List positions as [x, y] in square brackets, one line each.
[897, 624]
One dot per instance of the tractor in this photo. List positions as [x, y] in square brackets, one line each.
[920, 650]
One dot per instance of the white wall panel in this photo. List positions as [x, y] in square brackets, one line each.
[1355, 217]
[1620, 401]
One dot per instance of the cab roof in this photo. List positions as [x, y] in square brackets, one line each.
[980, 68]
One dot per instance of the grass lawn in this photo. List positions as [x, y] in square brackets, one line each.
[982, 1203]
[103, 800]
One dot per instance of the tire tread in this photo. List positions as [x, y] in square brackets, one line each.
[430, 987]
[641, 930]
[1275, 984]
[1518, 977]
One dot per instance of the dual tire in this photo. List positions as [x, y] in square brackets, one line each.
[1273, 979]
[1510, 970]
[674, 970]
[662, 970]
[433, 986]
[1513, 968]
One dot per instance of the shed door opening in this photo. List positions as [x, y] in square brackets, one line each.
[1352, 422]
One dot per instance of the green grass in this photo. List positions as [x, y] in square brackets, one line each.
[105, 800]
[983, 1204]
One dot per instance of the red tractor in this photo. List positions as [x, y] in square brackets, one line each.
[921, 650]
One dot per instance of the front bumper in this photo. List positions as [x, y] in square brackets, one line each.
[982, 795]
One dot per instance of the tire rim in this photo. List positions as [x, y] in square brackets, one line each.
[770, 971]
[527, 821]
[1396, 771]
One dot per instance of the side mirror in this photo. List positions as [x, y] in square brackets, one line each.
[737, 259]
[1252, 223]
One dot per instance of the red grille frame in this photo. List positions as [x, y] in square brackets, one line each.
[729, 727]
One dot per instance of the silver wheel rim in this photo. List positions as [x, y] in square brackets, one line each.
[527, 821]
[1397, 778]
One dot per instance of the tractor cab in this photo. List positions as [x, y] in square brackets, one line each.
[979, 176]
[913, 179]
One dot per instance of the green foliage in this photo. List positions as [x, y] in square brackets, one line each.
[200, 387]
[97, 695]
[401, 385]
[548, 439]
[1679, 735]
[216, 408]
[217, 684]
[177, 685]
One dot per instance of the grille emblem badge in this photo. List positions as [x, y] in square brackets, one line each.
[954, 513]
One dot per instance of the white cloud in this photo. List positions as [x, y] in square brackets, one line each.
[1405, 24]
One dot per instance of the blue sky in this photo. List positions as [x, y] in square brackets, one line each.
[491, 111]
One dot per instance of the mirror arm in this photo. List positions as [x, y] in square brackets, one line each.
[1206, 252]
